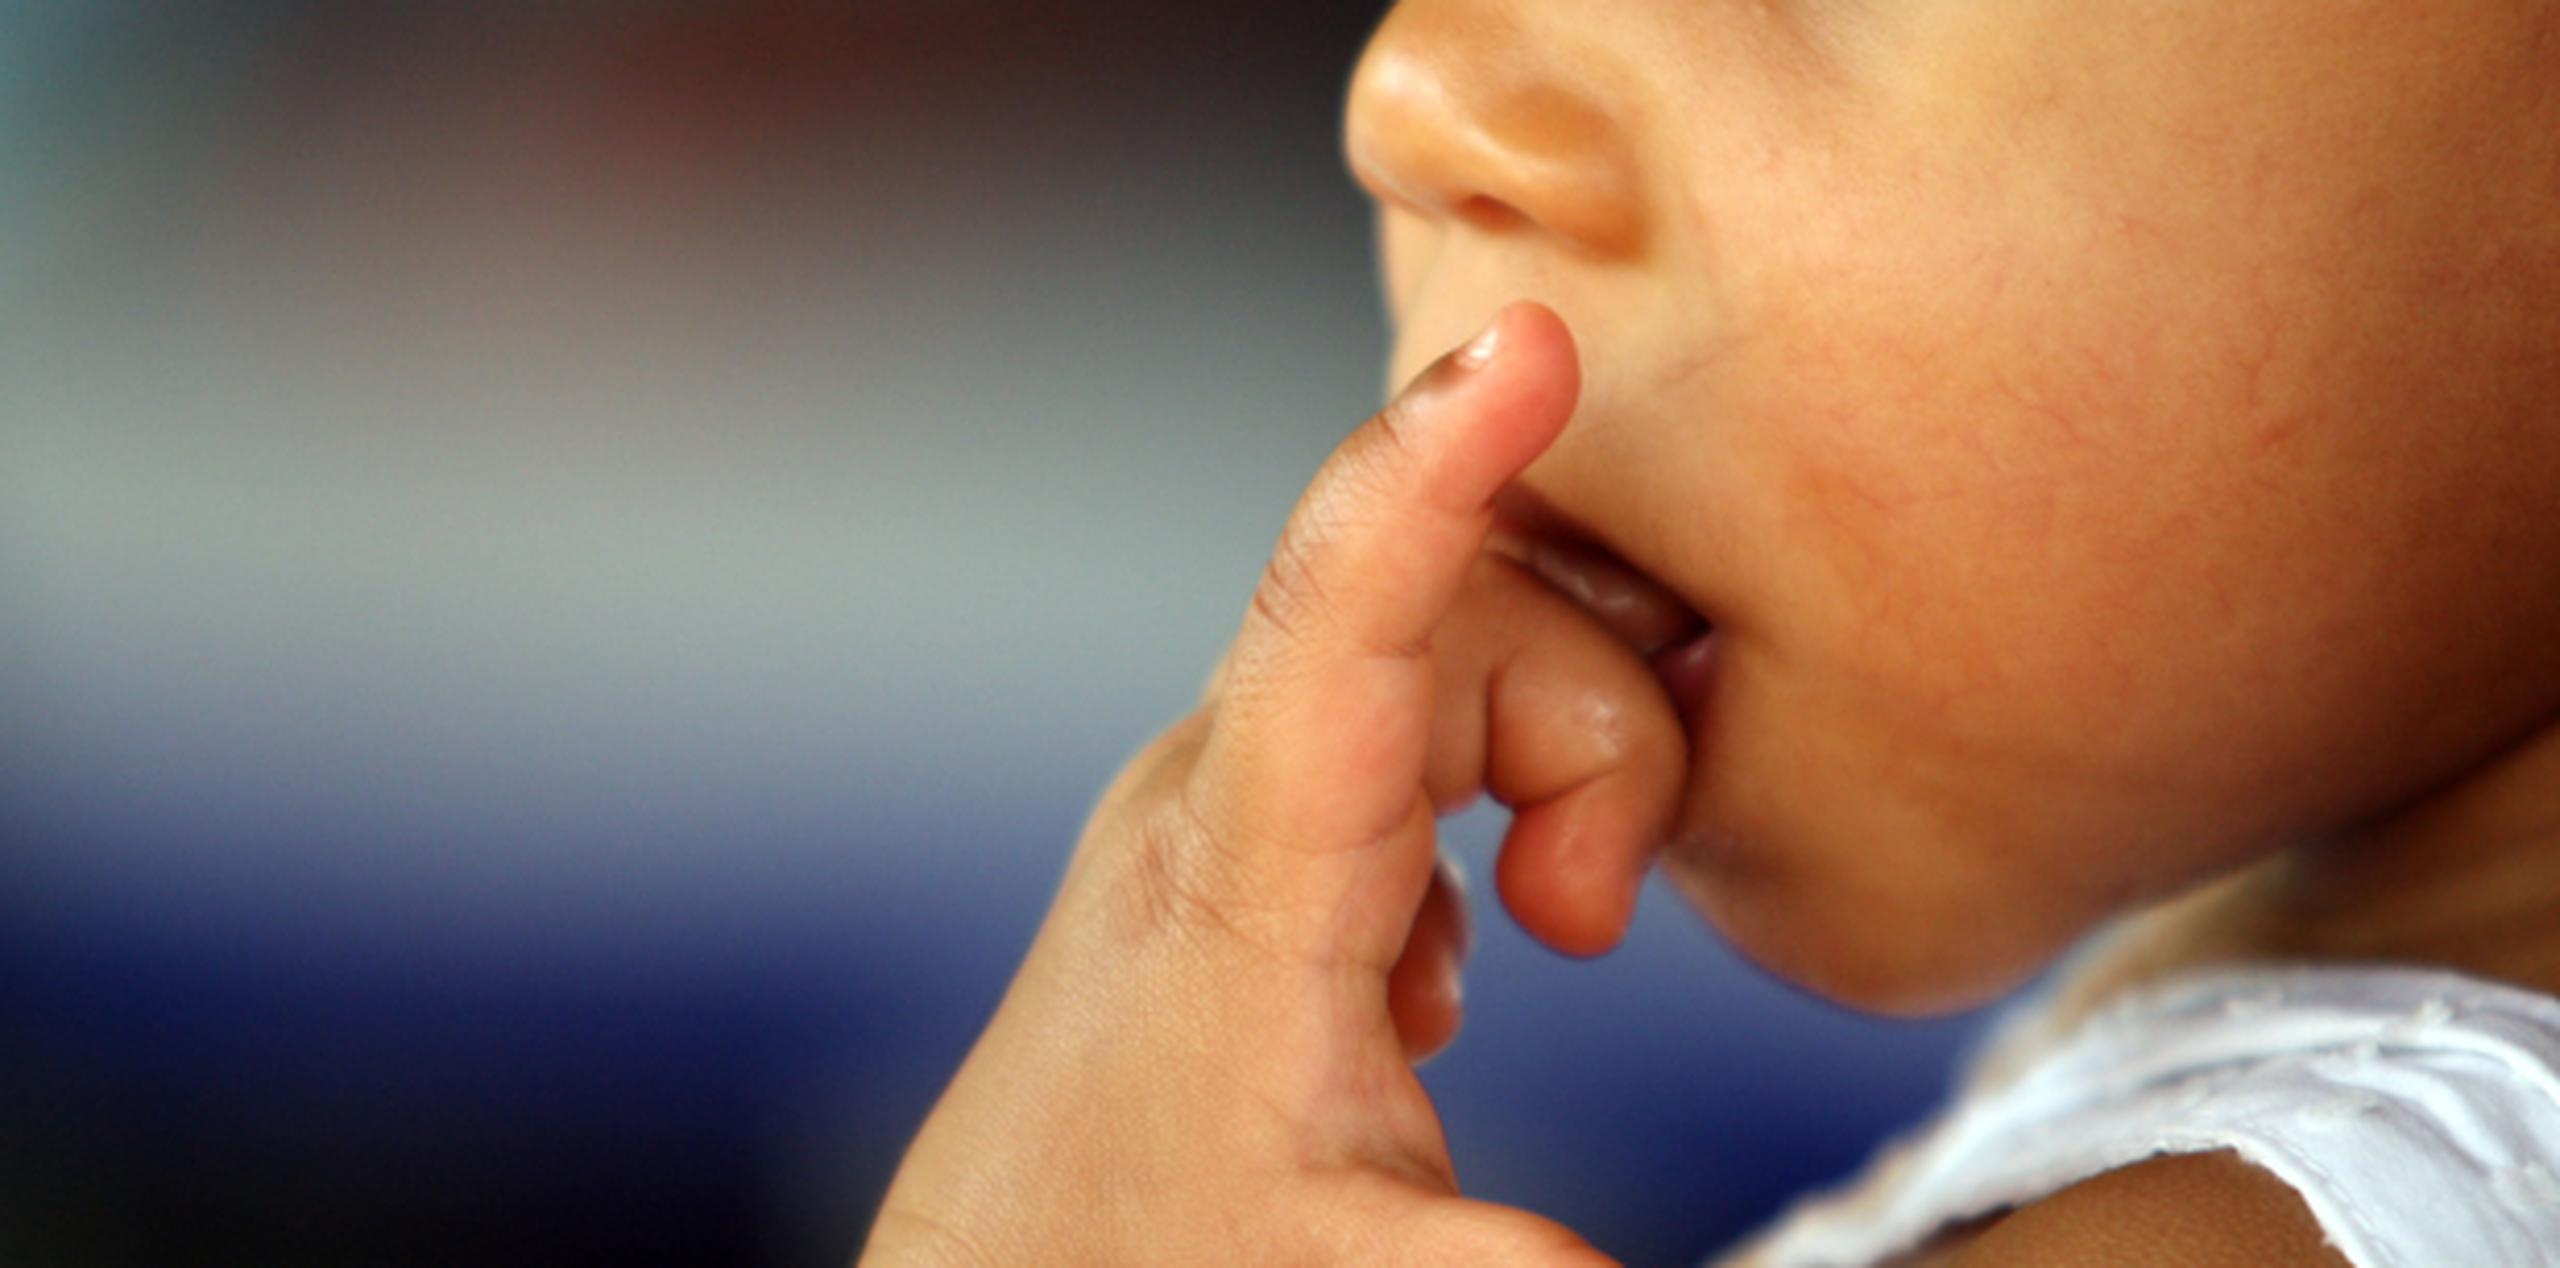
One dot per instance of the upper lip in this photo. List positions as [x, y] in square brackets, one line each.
[1569, 554]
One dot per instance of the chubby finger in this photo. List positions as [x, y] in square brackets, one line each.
[1424, 990]
[1559, 718]
[1311, 775]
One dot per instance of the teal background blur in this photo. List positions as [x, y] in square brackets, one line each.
[569, 572]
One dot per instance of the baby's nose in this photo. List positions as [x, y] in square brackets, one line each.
[1460, 112]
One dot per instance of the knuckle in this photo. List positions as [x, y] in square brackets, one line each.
[1381, 459]
[1291, 597]
[1310, 589]
[1300, 590]
[904, 1237]
[1389, 437]
[1174, 881]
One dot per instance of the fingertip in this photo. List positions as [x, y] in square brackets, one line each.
[1521, 375]
[1566, 880]
[1529, 325]
[1534, 351]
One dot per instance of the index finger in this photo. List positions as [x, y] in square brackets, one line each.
[1323, 706]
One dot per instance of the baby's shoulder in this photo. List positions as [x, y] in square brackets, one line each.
[2409, 1116]
[2201, 1210]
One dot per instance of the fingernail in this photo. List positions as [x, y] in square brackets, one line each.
[1480, 350]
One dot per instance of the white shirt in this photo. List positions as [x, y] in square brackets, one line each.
[2416, 1112]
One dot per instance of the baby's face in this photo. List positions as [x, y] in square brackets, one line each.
[2113, 440]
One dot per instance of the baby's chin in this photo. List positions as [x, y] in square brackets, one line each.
[1920, 949]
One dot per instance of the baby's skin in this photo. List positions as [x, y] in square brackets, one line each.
[1944, 475]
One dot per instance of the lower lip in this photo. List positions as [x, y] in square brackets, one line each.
[1687, 670]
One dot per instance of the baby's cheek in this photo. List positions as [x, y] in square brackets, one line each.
[2127, 511]
[2202, 572]
[2027, 657]
[1967, 535]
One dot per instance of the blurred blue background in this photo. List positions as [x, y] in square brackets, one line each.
[569, 572]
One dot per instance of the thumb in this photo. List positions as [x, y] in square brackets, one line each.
[1311, 776]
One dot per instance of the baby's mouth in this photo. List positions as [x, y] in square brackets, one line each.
[1642, 612]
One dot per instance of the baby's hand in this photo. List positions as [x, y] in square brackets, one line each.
[1205, 1057]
